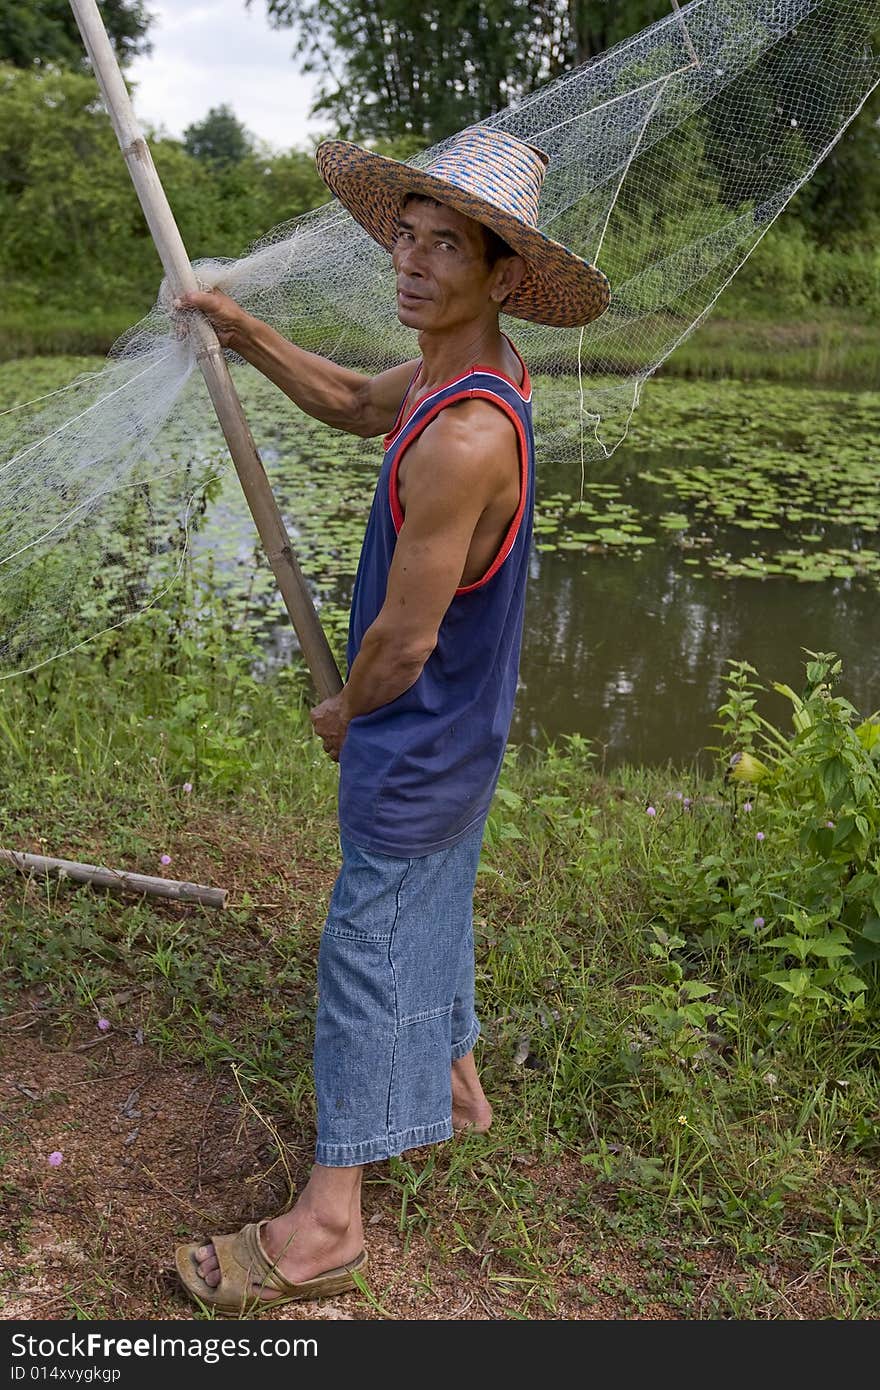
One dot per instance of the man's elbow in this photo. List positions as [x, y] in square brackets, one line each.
[366, 424]
[368, 419]
[402, 652]
[410, 657]
[362, 415]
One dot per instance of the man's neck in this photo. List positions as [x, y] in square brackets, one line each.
[448, 353]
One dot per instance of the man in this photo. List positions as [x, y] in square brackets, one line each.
[421, 724]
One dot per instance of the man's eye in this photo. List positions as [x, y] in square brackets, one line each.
[446, 246]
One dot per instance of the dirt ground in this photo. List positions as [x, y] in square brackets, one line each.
[155, 1154]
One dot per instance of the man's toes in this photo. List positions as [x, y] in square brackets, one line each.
[209, 1268]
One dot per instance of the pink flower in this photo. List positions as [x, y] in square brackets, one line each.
[56, 1159]
[829, 824]
[759, 836]
[747, 806]
[103, 1024]
[187, 787]
[651, 811]
[759, 921]
[165, 859]
[687, 803]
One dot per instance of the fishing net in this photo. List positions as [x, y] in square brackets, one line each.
[671, 154]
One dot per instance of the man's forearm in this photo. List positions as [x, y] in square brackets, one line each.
[383, 669]
[319, 387]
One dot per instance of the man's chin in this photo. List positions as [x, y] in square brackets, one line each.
[413, 311]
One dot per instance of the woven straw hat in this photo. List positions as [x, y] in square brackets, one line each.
[493, 178]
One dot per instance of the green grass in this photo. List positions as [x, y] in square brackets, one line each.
[754, 1140]
[39, 330]
[830, 347]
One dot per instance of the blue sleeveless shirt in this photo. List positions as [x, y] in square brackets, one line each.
[419, 773]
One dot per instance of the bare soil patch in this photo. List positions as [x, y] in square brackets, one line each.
[155, 1153]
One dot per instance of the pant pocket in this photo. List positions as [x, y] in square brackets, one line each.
[421, 1088]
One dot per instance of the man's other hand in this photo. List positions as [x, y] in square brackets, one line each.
[331, 725]
[227, 317]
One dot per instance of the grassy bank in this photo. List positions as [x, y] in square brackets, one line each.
[676, 1135]
[41, 331]
[836, 348]
[830, 349]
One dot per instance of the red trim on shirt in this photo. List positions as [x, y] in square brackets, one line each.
[397, 514]
[524, 391]
[398, 420]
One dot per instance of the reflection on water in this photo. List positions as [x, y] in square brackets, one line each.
[632, 654]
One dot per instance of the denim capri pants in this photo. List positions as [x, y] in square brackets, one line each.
[395, 1000]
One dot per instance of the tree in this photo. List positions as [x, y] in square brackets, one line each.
[841, 202]
[219, 139]
[74, 235]
[392, 69]
[389, 68]
[794, 106]
[37, 33]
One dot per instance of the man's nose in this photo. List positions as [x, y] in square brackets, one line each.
[410, 259]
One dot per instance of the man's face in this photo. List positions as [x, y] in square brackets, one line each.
[443, 278]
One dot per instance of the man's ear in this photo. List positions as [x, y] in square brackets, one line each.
[509, 271]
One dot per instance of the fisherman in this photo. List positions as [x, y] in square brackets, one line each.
[420, 727]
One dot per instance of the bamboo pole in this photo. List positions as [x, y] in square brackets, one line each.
[115, 878]
[209, 353]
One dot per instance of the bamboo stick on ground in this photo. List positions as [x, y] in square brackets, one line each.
[142, 884]
[209, 353]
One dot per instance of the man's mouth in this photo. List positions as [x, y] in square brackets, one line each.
[408, 295]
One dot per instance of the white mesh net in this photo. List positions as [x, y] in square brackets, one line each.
[671, 154]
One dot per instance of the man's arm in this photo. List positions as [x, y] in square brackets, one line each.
[454, 470]
[347, 400]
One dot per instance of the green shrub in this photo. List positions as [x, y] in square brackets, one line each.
[783, 882]
[788, 275]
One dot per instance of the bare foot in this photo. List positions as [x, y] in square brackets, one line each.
[316, 1235]
[470, 1108]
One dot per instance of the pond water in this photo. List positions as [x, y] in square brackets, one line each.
[634, 655]
[736, 521]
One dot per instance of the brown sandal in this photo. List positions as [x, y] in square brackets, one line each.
[243, 1262]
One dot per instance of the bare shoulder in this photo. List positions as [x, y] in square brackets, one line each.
[468, 433]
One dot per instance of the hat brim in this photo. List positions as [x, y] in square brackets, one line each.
[558, 289]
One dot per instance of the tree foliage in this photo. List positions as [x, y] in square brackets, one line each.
[389, 68]
[35, 33]
[841, 203]
[74, 235]
[218, 139]
[73, 231]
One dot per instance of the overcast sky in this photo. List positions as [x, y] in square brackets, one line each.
[210, 52]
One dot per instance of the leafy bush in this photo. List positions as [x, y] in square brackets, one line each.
[783, 878]
[74, 237]
[788, 274]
